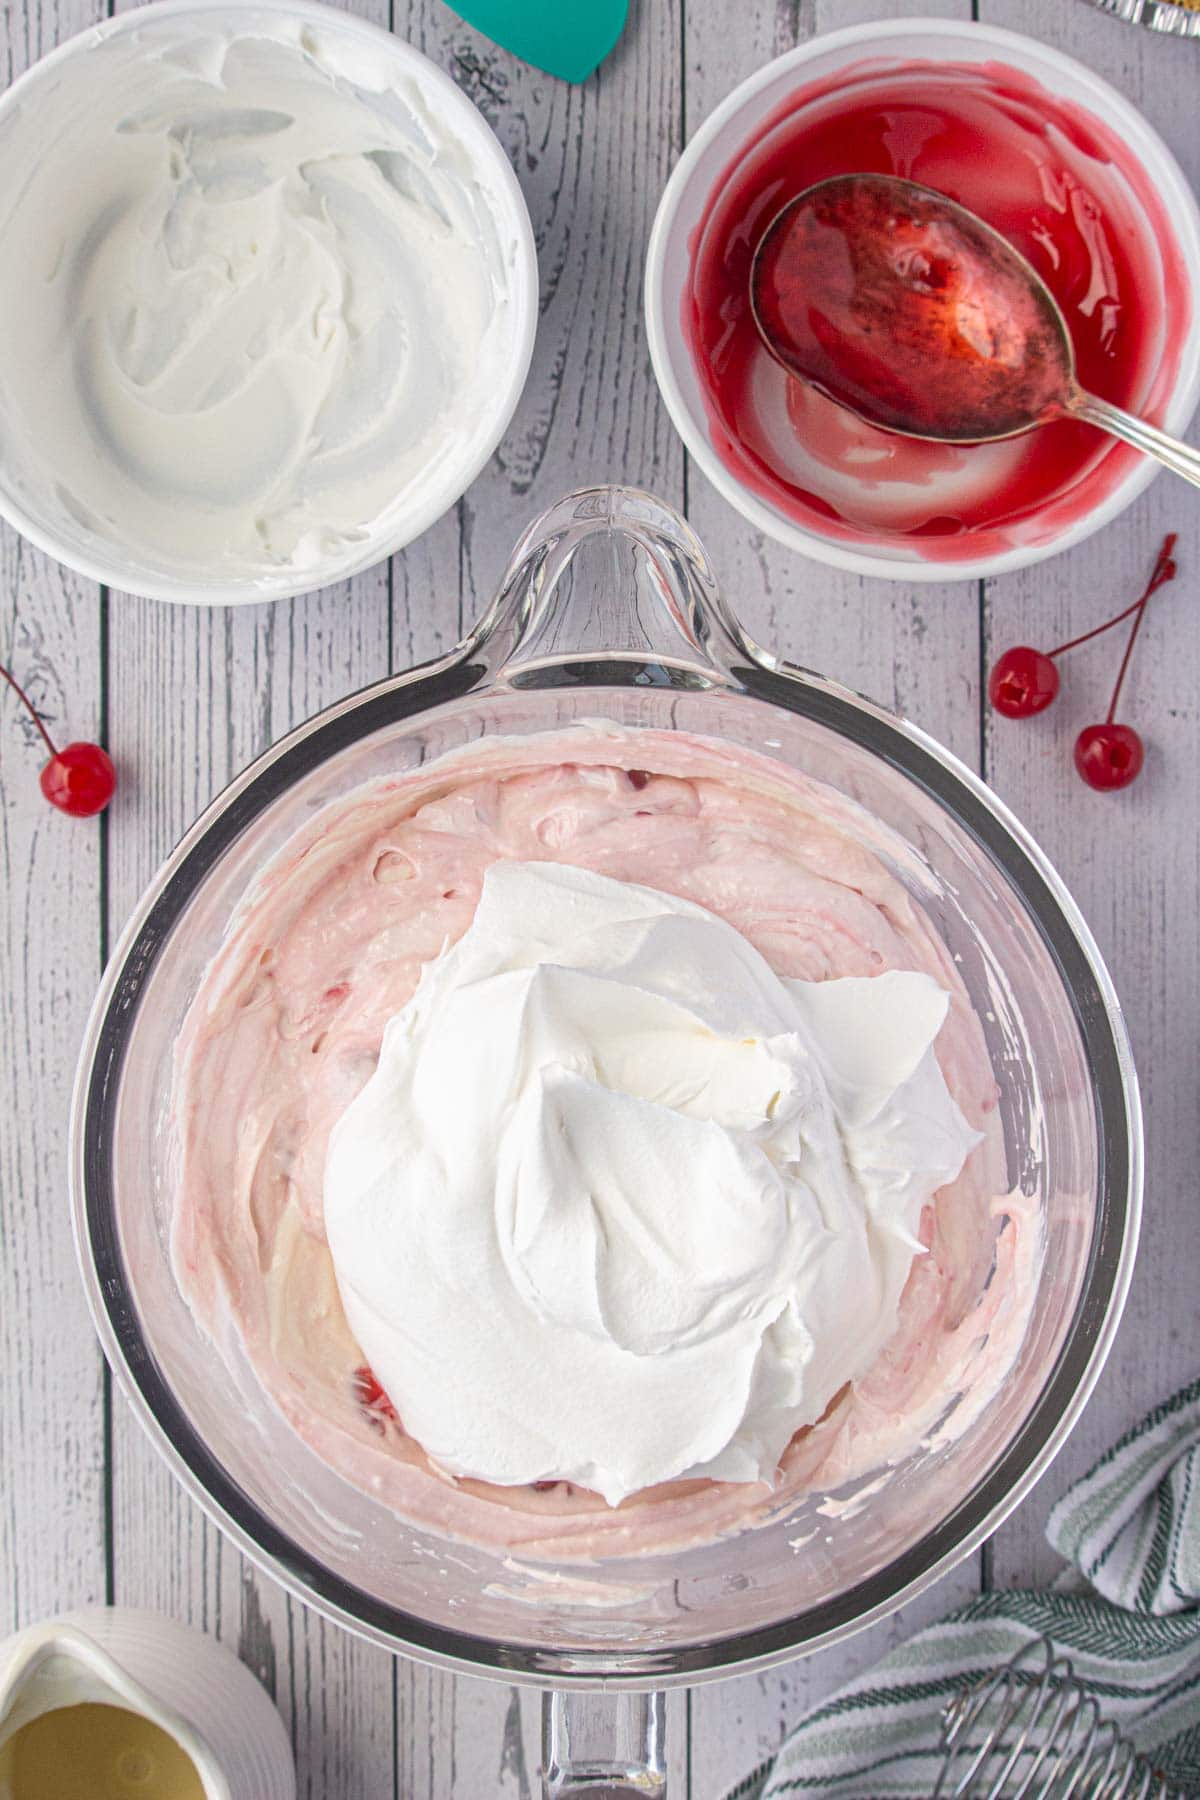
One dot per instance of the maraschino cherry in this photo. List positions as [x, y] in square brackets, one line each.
[1111, 755]
[79, 779]
[369, 1392]
[1024, 681]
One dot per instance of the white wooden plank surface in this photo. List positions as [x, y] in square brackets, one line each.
[190, 697]
[52, 1520]
[52, 1417]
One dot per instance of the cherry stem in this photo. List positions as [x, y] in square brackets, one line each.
[30, 708]
[1098, 630]
[1164, 571]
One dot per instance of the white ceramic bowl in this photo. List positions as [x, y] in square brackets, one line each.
[388, 64]
[734, 125]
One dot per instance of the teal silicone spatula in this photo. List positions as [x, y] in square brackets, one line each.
[568, 38]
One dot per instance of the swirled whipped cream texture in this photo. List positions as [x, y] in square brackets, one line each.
[619, 1204]
[254, 296]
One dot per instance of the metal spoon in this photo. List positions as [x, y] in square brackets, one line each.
[904, 307]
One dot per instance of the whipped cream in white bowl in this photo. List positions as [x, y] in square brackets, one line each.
[267, 303]
[620, 1204]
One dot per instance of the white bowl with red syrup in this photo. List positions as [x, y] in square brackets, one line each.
[1043, 150]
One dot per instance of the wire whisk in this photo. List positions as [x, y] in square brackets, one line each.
[1032, 1731]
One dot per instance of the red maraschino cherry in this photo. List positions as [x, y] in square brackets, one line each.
[1024, 681]
[369, 1392]
[1110, 755]
[79, 779]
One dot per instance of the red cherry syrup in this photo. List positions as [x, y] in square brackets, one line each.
[898, 306]
[1053, 179]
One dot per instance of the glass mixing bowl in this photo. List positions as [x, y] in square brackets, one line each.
[610, 609]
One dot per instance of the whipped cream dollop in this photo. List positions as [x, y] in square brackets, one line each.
[257, 291]
[619, 1204]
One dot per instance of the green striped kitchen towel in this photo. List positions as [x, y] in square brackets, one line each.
[1127, 1613]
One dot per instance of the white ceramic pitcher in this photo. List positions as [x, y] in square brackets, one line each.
[187, 1684]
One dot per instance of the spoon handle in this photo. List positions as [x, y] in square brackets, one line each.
[1182, 459]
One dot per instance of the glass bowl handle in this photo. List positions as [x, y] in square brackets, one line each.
[610, 572]
[603, 1746]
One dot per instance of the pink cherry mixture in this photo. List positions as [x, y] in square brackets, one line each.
[79, 779]
[1024, 681]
